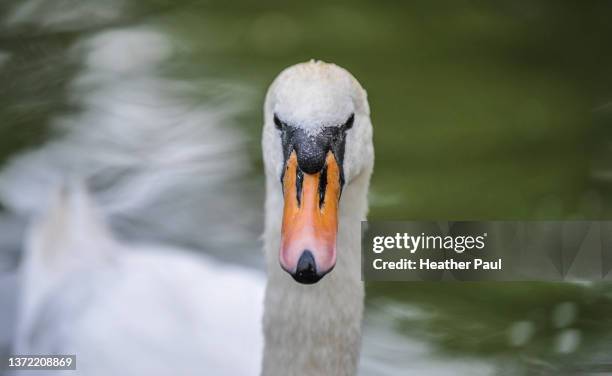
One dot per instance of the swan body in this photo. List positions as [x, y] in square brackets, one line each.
[156, 165]
[316, 329]
[132, 310]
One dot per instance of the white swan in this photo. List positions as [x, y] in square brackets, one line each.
[132, 310]
[317, 143]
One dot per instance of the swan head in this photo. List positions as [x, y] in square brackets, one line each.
[317, 138]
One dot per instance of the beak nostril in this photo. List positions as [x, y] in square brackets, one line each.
[299, 182]
[322, 186]
[306, 270]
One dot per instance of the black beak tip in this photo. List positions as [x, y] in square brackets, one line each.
[306, 270]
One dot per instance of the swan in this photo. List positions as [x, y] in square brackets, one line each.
[318, 158]
[127, 309]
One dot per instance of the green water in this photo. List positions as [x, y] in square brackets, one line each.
[482, 110]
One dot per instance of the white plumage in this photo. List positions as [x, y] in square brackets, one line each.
[133, 310]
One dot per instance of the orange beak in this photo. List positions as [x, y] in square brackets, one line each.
[310, 220]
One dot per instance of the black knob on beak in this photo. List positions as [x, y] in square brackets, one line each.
[306, 270]
[311, 155]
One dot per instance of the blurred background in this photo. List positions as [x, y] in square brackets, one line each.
[482, 110]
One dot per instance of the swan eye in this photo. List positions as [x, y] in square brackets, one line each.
[278, 123]
[349, 122]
